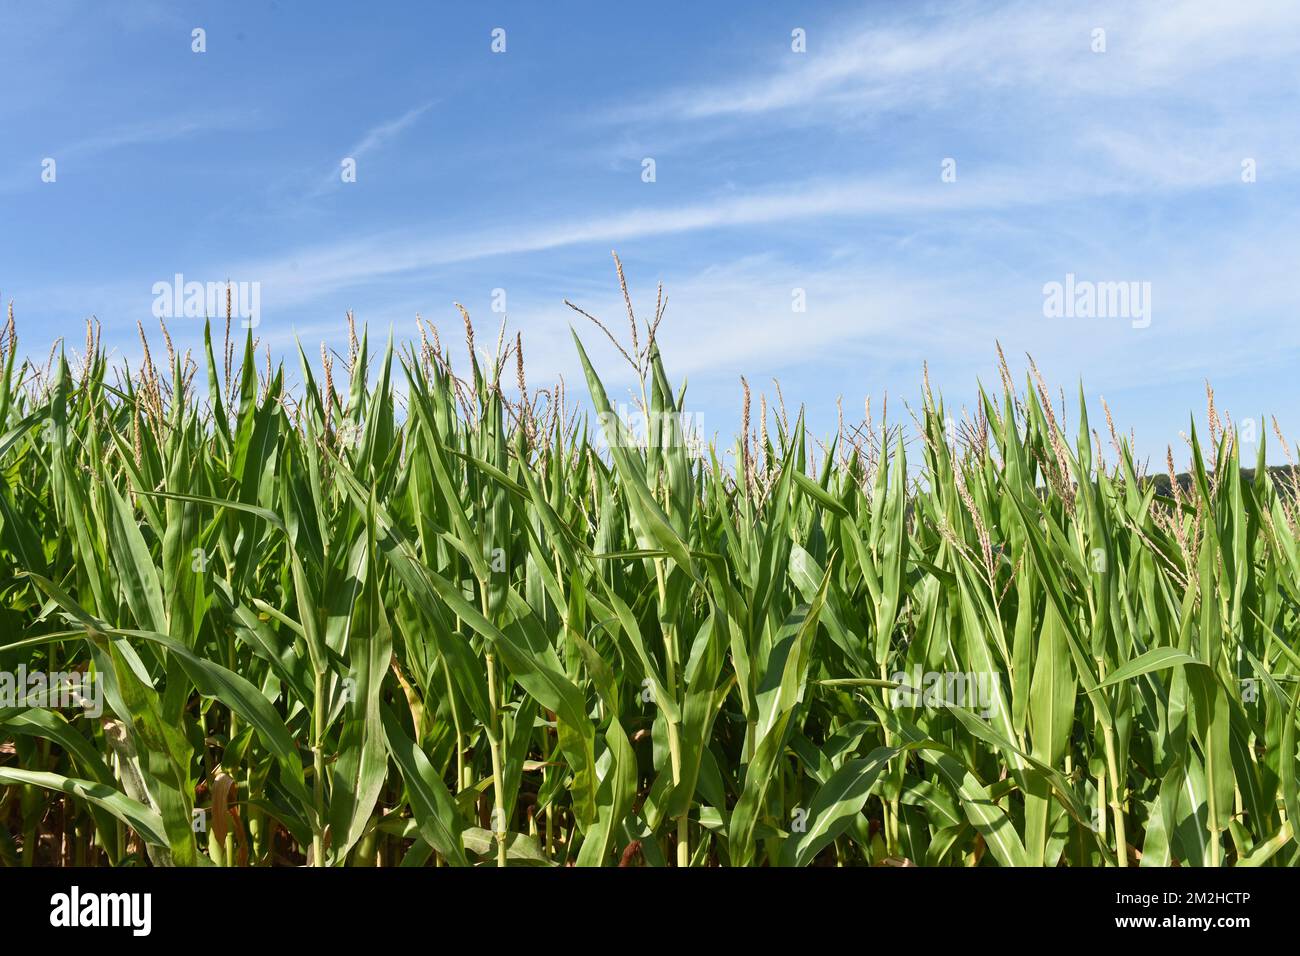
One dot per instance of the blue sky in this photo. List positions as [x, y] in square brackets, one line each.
[775, 170]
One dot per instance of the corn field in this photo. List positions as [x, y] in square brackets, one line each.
[401, 614]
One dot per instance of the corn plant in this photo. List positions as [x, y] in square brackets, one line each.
[417, 618]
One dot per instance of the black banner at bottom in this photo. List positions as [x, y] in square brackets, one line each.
[147, 905]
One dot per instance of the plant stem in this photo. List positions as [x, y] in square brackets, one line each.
[1116, 806]
[318, 771]
[460, 733]
[494, 744]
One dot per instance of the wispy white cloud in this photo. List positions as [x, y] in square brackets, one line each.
[149, 133]
[311, 272]
[372, 140]
[156, 132]
[376, 136]
[1039, 51]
